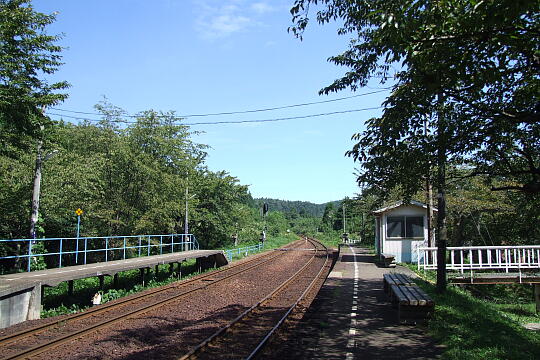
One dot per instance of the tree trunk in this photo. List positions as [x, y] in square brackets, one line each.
[441, 236]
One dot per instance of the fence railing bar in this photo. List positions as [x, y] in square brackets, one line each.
[111, 247]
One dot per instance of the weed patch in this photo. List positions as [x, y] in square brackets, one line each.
[474, 328]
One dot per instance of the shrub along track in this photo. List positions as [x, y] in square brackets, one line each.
[32, 339]
[246, 335]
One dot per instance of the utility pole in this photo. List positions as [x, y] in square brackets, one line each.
[186, 227]
[186, 219]
[37, 189]
[344, 220]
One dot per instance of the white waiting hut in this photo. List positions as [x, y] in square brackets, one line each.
[400, 229]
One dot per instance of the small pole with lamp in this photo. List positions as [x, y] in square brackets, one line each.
[78, 212]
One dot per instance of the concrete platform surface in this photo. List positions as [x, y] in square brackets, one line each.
[352, 318]
[52, 277]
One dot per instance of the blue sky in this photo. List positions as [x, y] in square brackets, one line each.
[199, 57]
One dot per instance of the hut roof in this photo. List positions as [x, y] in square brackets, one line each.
[401, 203]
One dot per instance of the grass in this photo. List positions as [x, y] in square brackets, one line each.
[482, 327]
[333, 239]
[56, 300]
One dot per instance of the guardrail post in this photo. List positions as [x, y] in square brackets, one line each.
[160, 244]
[29, 255]
[148, 245]
[106, 249]
[140, 244]
[60, 260]
[77, 250]
[85, 249]
[124, 248]
[172, 244]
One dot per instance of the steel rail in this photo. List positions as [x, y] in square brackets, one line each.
[192, 354]
[40, 348]
[263, 342]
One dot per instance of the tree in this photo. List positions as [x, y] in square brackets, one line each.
[328, 216]
[466, 89]
[27, 56]
[482, 58]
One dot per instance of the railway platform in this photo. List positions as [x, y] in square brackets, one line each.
[351, 318]
[20, 294]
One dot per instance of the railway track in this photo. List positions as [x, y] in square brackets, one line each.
[79, 325]
[246, 335]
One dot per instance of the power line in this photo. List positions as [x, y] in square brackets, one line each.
[237, 122]
[238, 112]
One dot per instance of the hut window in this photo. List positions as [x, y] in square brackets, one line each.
[414, 226]
[405, 226]
[395, 226]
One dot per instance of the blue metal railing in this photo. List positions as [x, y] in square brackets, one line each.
[99, 248]
[246, 250]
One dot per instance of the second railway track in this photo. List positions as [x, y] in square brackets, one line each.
[85, 326]
[247, 334]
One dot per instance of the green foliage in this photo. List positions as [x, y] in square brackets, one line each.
[38, 262]
[479, 216]
[329, 238]
[274, 242]
[328, 216]
[62, 310]
[474, 63]
[15, 194]
[300, 208]
[128, 180]
[276, 223]
[27, 56]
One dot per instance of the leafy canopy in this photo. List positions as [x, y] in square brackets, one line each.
[476, 61]
[27, 56]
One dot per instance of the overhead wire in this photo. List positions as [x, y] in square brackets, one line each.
[233, 121]
[235, 112]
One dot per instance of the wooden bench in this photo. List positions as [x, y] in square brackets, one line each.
[412, 303]
[386, 259]
[395, 279]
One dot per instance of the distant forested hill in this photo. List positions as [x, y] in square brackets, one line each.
[303, 208]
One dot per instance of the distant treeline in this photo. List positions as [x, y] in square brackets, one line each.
[302, 208]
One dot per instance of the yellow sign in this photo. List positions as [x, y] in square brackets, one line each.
[78, 212]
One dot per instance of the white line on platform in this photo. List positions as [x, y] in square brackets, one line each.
[354, 308]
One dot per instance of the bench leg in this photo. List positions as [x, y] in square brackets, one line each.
[413, 314]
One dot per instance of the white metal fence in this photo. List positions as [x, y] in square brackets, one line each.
[470, 258]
